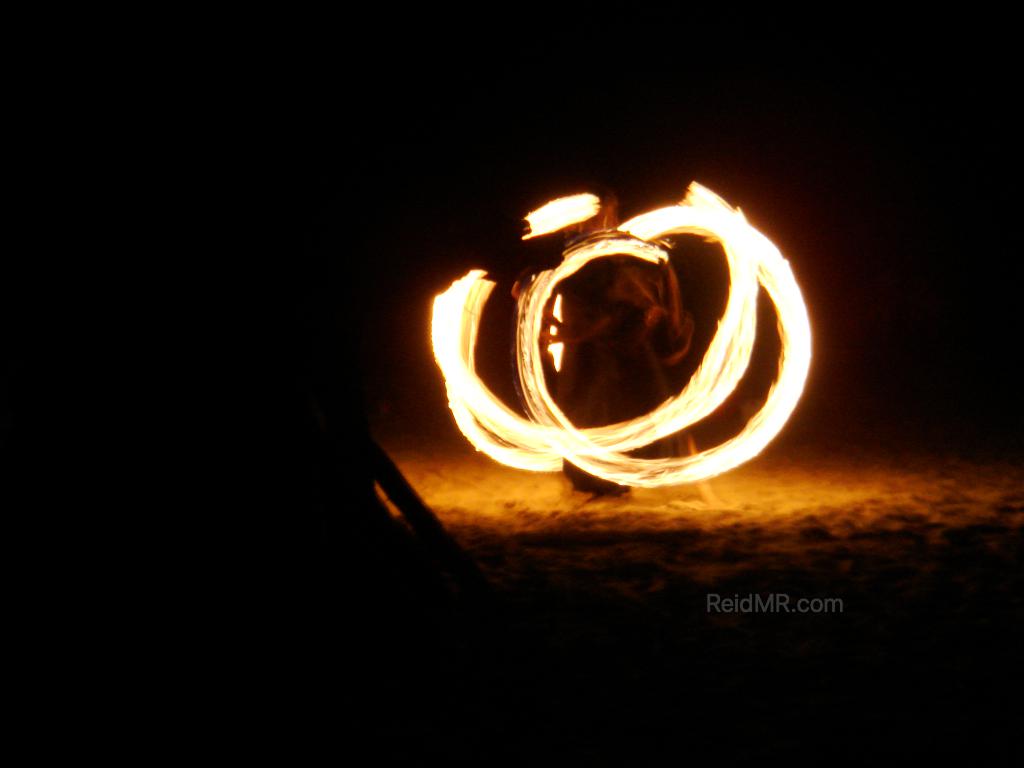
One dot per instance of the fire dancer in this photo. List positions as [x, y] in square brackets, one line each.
[535, 442]
[622, 328]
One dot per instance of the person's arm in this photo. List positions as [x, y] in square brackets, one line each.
[683, 340]
[680, 322]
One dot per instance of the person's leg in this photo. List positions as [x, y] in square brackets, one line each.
[585, 393]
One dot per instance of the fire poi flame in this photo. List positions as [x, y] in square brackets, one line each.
[540, 442]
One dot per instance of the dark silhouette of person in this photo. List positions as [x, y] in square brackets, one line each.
[623, 328]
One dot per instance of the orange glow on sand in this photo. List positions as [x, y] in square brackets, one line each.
[800, 508]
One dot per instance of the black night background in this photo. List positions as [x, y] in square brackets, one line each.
[488, 615]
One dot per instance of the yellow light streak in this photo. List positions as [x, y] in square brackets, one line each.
[561, 213]
[542, 441]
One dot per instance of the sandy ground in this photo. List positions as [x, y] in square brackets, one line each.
[603, 646]
[807, 509]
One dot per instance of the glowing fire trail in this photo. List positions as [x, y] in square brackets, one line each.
[561, 213]
[540, 443]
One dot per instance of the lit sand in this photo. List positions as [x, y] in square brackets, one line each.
[811, 512]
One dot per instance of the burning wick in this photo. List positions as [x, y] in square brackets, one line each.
[540, 442]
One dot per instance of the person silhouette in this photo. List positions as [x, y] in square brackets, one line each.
[622, 327]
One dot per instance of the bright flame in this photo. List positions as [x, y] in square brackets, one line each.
[561, 213]
[540, 443]
[556, 348]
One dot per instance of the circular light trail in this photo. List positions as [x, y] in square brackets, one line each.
[540, 442]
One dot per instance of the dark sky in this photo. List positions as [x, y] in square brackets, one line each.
[888, 182]
[367, 178]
